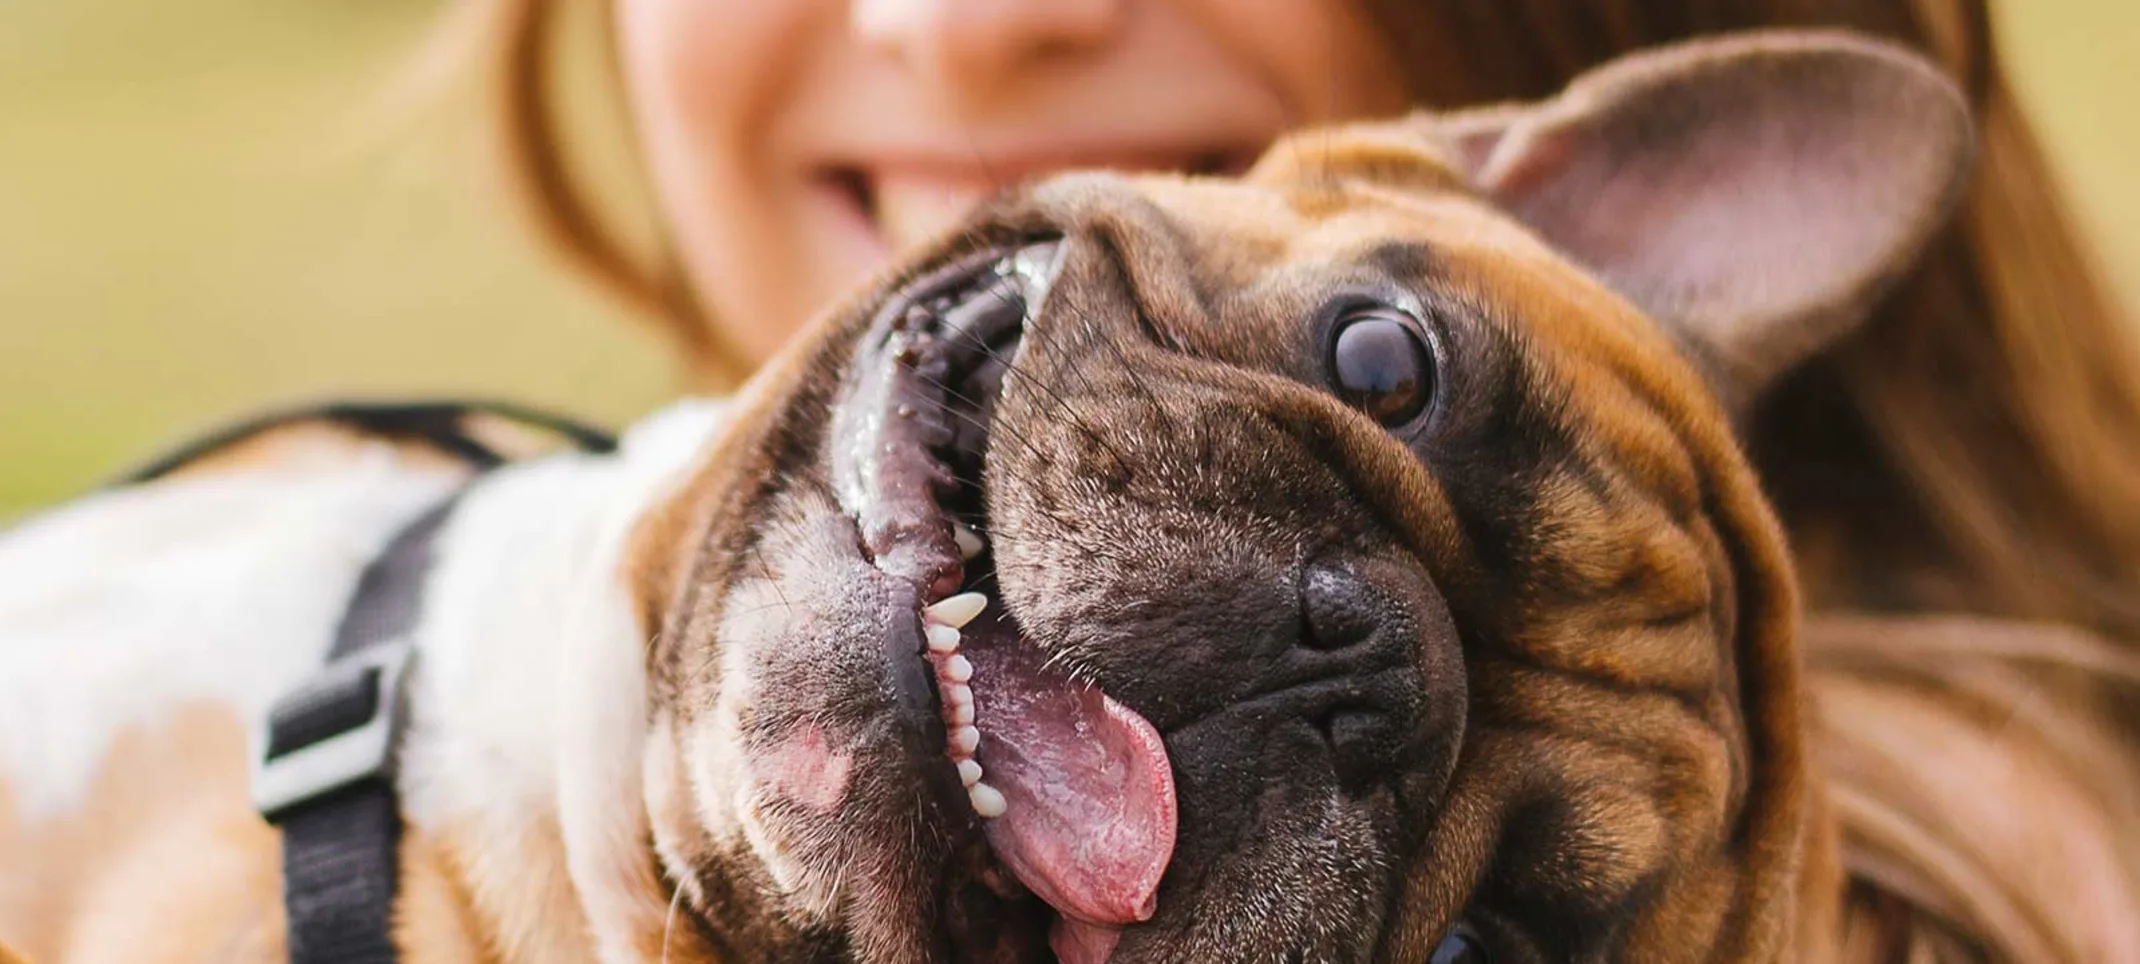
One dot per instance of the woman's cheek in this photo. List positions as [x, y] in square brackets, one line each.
[1322, 58]
[705, 81]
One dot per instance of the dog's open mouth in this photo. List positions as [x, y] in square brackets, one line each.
[1075, 790]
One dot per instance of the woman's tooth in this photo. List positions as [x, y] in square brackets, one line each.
[965, 740]
[987, 801]
[942, 638]
[970, 544]
[957, 611]
[957, 669]
[969, 772]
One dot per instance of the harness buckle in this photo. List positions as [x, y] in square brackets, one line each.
[338, 729]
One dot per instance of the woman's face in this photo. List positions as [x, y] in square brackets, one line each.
[795, 145]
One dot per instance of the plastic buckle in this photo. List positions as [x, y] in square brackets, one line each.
[347, 722]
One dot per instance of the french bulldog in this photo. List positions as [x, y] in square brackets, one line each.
[1349, 561]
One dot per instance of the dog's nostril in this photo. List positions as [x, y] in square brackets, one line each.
[1346, 726]
[1362, 741]
[1340, 610]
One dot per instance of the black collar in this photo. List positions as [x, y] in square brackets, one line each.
[326, 777]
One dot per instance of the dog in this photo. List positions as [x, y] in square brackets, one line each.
[1350, 561]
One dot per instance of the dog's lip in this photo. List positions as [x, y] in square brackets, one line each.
[890, 422]
[909, 442]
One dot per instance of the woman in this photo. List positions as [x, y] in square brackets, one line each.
[1975, 450]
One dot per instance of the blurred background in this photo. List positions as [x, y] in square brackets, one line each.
[208, 206]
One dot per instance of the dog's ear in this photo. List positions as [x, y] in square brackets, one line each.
[1753, 193]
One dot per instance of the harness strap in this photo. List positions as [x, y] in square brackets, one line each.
[442, 425]
[327, 775]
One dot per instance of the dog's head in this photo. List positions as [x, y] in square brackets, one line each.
[1366, 567]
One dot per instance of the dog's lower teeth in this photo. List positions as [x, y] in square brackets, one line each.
[962, 714]
[986, 800]
[969, 772]
[956, 611]
[942, 639]
[965, 740]
[957, 669]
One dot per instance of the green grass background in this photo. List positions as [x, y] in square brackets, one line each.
[199, 216]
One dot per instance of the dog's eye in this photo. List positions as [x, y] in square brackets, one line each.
[1462, 946]
[1380, 363]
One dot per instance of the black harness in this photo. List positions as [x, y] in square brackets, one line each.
[326, 777]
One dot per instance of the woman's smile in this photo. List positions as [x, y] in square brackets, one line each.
[795, 146]
[906, 196]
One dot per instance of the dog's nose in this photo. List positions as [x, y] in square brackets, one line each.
[1340, 610]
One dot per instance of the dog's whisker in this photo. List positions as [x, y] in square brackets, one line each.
[985, 427]
[1069, 411]
[765, 569]
[1011, 367]
[1129, 371]
[668, 927]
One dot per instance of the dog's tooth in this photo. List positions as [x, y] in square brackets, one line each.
[957, 610]
[970, 544]
[987, 801]
[965, 740]
[969, 772]
[957, 669]
[942, 638]
[958, 704]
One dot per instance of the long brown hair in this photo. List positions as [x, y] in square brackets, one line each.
[1974, 450]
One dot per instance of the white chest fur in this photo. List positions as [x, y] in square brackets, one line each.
[216, 589]
[226, 590]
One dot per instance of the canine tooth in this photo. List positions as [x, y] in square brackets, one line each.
[987, 801]
[969, 772]
[958, 669]
[942, 638]
[957, 610]
[965, 740]
[970, 544]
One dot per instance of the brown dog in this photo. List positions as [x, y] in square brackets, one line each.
[1349, 562]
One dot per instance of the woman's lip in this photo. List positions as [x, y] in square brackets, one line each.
[998, 170]
[907, 198]
[973, 160]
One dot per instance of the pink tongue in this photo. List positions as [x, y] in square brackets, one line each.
[1089, 822]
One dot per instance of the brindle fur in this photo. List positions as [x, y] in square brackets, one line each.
[1602, 748]
[1627, 777]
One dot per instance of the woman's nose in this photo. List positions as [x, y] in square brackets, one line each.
[965, 46]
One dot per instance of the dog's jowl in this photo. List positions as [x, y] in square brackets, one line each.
[1352, 561]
